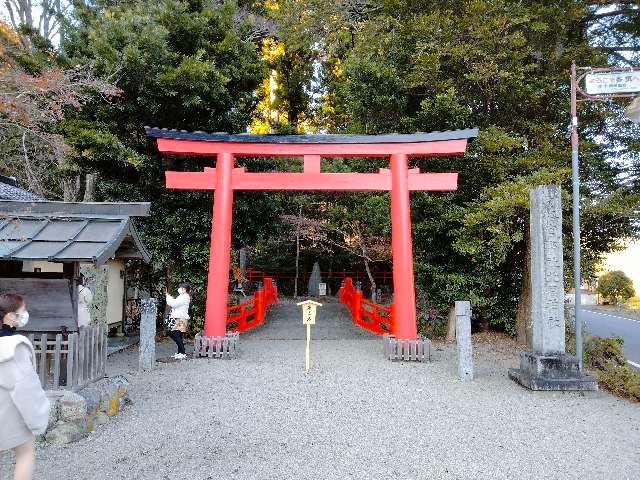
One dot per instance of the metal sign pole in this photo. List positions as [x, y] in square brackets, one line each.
[602, 84]
[575, 175]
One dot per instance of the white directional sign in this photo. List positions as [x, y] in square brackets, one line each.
[308, 318]
[612, 82]
[309, 311]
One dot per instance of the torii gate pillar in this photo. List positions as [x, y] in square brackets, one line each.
[218, 276]
[402, 250]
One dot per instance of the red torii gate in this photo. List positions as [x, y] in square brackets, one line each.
[398, 179]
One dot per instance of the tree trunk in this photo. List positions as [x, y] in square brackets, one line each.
[295, 287]
[372, 281]
[70, 188]
[523, 315]
[451, 325]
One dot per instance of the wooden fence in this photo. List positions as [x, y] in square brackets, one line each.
[251, 313]
[418, 350]
[71, 361]
[368, 315]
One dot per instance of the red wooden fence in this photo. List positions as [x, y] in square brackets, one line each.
[368, 315]
[382, 277]
[251, 313]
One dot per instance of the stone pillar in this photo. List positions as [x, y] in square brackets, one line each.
[463, 336]
[242, 260]
[548, 367]
[147, 357]
[314, 281]
[547, 281]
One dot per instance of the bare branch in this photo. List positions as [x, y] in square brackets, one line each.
[12, 17]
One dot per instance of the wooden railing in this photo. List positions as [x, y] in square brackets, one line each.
[382, 278]
[70, 361]
[368, 315]
[251, 313]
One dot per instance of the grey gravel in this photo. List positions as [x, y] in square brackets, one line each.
[355, 416]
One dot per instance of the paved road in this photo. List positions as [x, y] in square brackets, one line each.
[606, 325]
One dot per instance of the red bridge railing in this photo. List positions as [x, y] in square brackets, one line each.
[251, 313]
[368, 315]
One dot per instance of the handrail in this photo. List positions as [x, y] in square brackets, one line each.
[252, 275]
[251, 313]
[376, 318]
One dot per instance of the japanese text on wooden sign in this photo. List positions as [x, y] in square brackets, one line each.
[309, 314]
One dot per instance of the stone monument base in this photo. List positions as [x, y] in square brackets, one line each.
[415, 350]
[554, 372]
[216, 347]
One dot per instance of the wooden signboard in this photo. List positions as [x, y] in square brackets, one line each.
[308, 318]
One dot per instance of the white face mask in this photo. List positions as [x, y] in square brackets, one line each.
[22, 318]
[181, 291]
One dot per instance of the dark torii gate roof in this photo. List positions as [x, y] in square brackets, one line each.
[312, 148]
[452, 142]
[326, 138]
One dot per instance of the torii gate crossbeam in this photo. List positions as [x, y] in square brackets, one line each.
[398, 179]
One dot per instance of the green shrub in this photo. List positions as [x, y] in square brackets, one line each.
[600, 353]
[432, 326]
[431, 322]
[621, 380]
[196, 325]
[616, 286]
[605, 356]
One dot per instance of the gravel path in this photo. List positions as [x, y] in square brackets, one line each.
[356, 416]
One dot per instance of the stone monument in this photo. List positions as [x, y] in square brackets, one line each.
[463, 337]
[314, 281]
[149, 309]
[548, 367]
[242, 261]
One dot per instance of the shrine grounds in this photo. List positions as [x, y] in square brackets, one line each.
[355, 416]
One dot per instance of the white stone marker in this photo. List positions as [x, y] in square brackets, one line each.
[547, 282]
[147, 358]
[463, 337]
[548, 367]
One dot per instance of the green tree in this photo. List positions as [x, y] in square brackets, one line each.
[362, 66]
[502, 66]
[615, 286]
[178, 64]
[40, 98]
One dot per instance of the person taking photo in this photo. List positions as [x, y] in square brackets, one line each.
[179, 317]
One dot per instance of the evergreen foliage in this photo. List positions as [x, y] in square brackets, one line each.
[616, 286]
[354, 66]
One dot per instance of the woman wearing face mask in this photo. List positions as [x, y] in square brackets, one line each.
[180, 314]
[24, 407]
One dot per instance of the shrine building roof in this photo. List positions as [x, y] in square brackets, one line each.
[70, 232]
